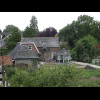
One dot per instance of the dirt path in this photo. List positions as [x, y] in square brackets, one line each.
[84, 64]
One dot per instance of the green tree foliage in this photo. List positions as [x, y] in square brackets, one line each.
[11, 29]
[3, 51]
[84, 25]
[64, 45]
[85, 48]
[0, 31]
[79, 36]
[32, 29]
[12, 40]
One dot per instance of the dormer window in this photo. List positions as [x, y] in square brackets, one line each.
[30, 47]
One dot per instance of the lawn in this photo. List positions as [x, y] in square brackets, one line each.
[90, 78]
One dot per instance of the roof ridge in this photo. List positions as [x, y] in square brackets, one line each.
[39, 37]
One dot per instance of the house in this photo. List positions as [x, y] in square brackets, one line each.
[63, 56]
[22, 55]
[5, 60]
[45, 47]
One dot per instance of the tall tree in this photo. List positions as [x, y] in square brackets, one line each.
[32, 29]
[33, 23]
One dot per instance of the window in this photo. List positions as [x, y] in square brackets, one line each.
[30, 47]
[44, 45]
[53, 54]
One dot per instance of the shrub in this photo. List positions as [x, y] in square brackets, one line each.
[21, 78]
[56, 76]
[85, 48]
[45, 76]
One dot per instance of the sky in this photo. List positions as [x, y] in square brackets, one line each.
[58, 20]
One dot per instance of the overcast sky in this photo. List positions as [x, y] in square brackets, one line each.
[58, 20]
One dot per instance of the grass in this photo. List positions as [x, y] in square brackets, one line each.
[90, 78]
[87, 73]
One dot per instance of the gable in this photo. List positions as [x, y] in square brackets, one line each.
[28, 44]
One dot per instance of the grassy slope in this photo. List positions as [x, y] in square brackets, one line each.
[90, 78]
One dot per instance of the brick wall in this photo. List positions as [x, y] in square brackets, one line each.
[49, 52]
[33, 48]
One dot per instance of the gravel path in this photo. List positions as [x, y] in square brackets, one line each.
[84, 64]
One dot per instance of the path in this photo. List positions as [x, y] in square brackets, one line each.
[84, 64]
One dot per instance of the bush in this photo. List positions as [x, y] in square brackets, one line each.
[9, 70]
[56, 76]
[53, 76]
[21, 78]
[45, 76]
[85, 48]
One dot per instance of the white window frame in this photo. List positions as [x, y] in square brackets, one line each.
[30, 47]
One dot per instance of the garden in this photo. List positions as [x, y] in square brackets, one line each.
[52, 76]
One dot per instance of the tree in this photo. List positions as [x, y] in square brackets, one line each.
[11, 29]
[48, 32]
[3, 51]
[32, 29]
[64, 45]
[28, 32]
[84, 25]
[34, 23]
[12, 40]
[85, 48]
[0, 31]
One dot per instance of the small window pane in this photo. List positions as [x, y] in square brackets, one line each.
[30, 47]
